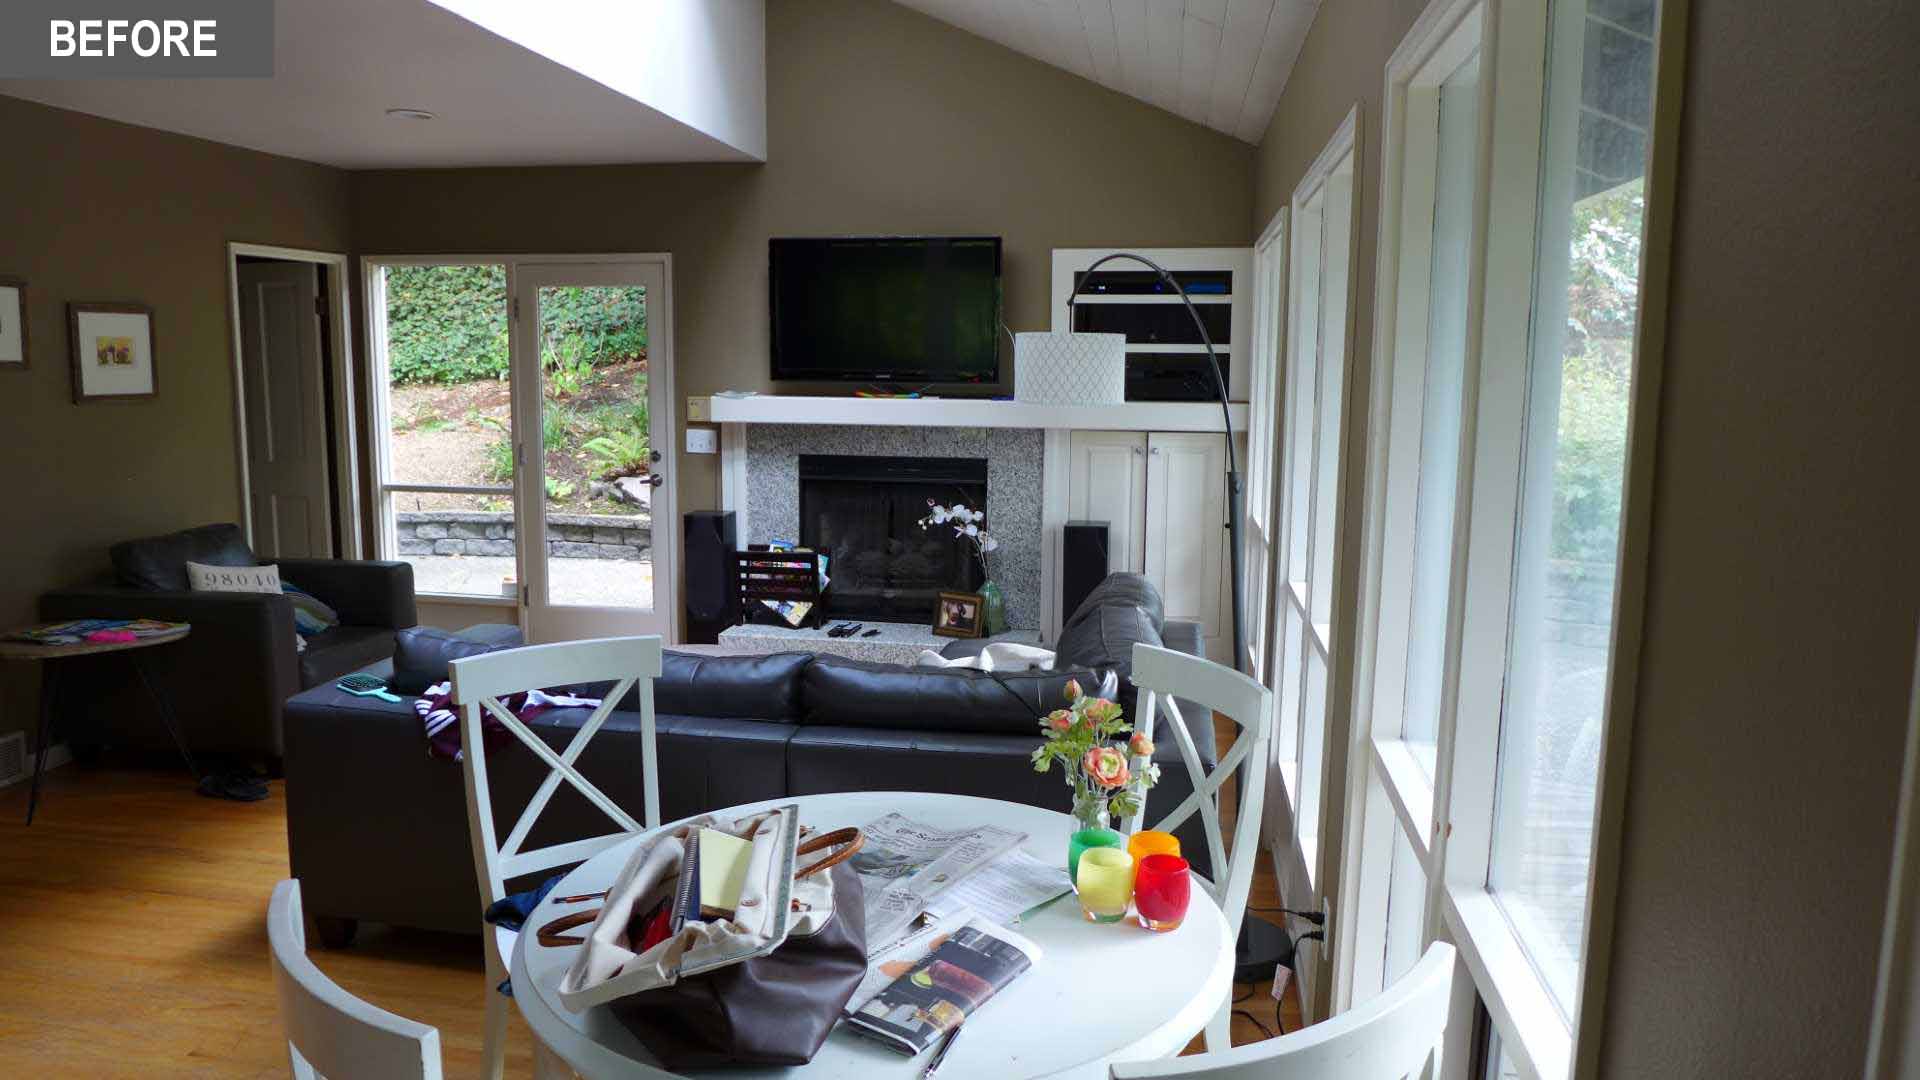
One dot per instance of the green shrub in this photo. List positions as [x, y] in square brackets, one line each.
[448, 324]
[618, 453]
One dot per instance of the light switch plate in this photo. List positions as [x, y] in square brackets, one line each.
[703, 440]
[699, 410]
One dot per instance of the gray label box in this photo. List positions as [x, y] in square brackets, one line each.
[120, 39]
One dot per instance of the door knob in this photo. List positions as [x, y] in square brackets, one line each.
[656, 479]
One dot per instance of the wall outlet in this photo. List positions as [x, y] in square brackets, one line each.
[699, 410]
[703, 440]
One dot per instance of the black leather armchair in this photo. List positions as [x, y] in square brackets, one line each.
[229, 679]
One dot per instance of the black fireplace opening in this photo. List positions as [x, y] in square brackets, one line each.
[866, 512]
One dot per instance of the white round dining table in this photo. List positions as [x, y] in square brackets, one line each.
[1100, 993]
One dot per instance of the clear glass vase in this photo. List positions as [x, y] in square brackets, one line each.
[1091, 819]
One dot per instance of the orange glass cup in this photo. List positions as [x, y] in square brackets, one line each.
[1152, 842]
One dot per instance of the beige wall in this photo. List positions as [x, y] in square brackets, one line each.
[94, 210]
[1341, 65]
[1784, 584]
[880, 120]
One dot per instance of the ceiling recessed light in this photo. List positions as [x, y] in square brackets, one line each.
[410, 114]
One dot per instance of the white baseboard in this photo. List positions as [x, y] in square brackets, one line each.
[57, 755]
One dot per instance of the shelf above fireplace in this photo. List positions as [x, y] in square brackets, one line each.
[974, 412]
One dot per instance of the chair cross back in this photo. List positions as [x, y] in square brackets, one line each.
[479, 684]
[1160, 674]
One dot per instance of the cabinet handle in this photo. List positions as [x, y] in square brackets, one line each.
[1156, 450]
[1137, 450]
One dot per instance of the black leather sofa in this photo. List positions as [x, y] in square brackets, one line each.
[377, 830]
[228, 680]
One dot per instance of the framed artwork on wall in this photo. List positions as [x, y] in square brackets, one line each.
[13, 324]
[113, 356]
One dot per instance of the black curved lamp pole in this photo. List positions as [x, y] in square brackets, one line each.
[1226, 420]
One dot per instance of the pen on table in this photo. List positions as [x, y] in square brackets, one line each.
[940, 1054]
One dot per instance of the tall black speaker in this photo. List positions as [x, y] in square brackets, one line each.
[1083, 564]
[711, 600]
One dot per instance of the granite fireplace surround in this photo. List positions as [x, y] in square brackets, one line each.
[1013, 457]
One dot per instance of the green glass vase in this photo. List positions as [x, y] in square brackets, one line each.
[994, 617]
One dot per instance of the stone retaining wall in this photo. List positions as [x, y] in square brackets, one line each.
[569, 536]
[1579, 603]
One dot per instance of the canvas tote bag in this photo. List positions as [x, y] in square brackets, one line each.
[762, 988]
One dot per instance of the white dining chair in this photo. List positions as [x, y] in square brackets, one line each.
[329, 1031]
[479, 684]
[1160, 675]
[1391, 1036]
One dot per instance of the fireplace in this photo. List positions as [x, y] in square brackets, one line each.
[866, 512]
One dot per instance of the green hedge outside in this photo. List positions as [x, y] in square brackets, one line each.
[448, 324]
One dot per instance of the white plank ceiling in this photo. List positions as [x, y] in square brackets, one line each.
[1221, 63]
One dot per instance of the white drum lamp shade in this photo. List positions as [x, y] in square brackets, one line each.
[1070, 369]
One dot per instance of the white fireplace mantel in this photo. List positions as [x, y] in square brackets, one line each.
[738, 416]
[974, 412]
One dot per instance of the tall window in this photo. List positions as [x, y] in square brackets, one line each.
[1517, 143]
[1309, 471]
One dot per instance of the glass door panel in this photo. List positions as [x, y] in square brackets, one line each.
[446, 444]
[596, 473]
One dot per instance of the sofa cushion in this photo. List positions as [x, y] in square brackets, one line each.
[762, 687]
[1103, 639]
[341, 650]
[856, 693]
[757, 687]
[421, 653]
[160, 562]
[1121, 590]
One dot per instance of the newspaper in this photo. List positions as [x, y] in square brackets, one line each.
[905, 865]
[933, 985]
[1004, 889]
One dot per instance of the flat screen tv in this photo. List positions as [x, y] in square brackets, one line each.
[901, 309]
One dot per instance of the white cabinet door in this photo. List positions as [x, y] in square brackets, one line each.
[1186, 536]
[1108, 482]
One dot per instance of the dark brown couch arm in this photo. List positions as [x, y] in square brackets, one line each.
[365, 593]
[226, 681]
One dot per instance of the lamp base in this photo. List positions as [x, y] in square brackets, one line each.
[1262, 947]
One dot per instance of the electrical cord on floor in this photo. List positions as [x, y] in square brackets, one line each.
[1317, 918]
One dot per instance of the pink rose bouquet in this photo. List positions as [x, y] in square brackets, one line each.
[1108, 776]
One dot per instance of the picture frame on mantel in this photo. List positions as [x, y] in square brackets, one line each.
[113, 352]
[959, 615]
[14, 341]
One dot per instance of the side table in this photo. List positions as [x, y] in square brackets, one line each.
[50, 657]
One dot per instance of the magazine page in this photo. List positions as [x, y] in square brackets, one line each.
[960, 974]
[901, 958]
[904, 864]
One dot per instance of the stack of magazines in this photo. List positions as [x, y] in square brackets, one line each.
[75, 631]
[929, 985]
[938, 902]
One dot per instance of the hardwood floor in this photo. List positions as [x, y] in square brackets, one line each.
[133, 939]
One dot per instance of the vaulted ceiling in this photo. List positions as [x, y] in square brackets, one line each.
[1221, 63]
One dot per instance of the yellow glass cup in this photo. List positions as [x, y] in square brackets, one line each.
[1152, 842]
[1106, 883]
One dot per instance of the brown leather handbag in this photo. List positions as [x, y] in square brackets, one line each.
[741, 993]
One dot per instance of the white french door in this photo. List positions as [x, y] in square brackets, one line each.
[523, 429]
[599, 562]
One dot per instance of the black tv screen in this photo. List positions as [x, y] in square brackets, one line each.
[920, 309]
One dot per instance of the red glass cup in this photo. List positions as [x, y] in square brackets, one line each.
[1161, 889]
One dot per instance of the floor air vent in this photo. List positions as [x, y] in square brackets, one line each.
[13, 758]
